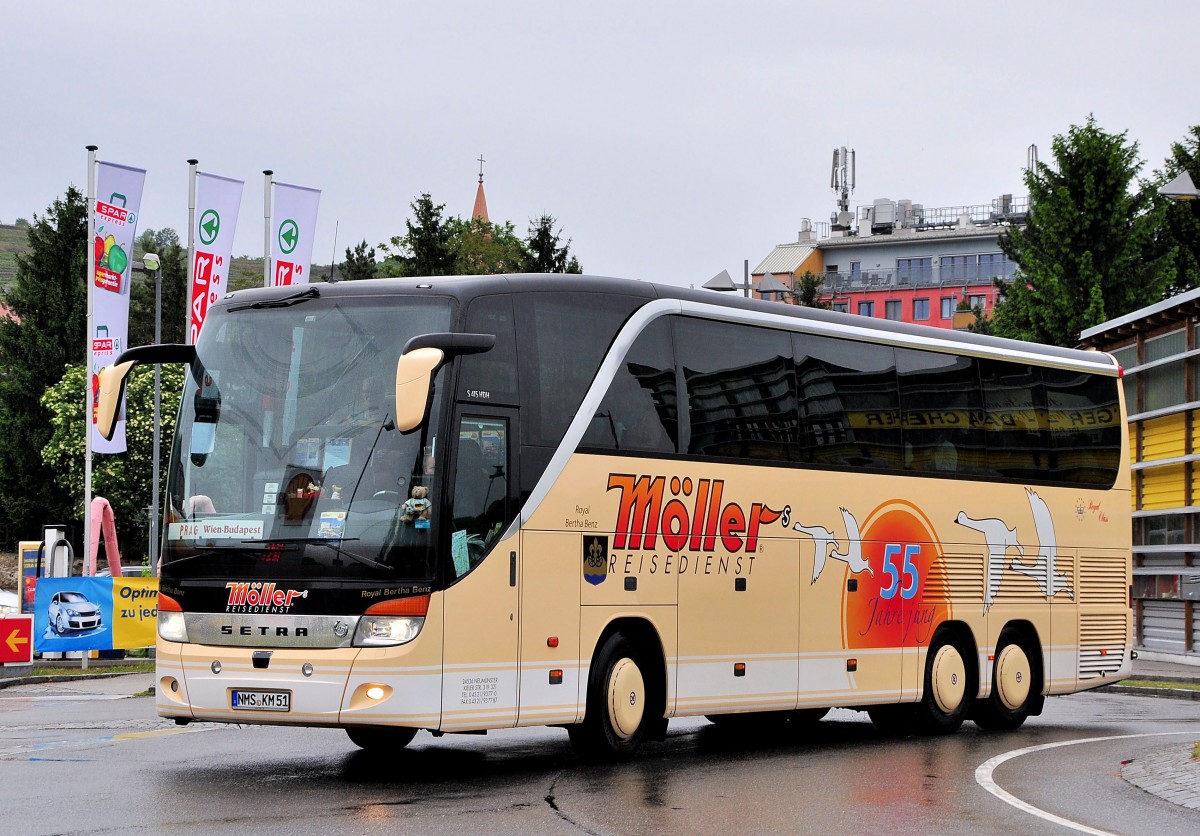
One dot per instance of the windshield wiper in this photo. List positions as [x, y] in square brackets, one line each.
[286, 301]
[204, 548]
[247, 546]
[330, 542]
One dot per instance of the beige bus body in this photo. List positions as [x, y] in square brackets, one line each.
[747, 589]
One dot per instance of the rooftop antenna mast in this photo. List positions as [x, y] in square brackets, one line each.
[841, 180]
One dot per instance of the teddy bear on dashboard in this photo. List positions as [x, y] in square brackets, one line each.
[415, 510]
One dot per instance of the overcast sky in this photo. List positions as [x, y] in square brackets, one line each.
[671, 140]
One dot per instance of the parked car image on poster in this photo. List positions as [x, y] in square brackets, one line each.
[71, 611]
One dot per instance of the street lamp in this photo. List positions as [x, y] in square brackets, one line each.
[724, 283]
[1181, 188]
[150, 264]
[770, 284]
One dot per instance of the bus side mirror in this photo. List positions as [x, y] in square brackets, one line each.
[421, 357]
[108, 396]
[110, 387]
[414, 374]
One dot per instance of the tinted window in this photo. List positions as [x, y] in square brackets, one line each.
[491, 376]
[563, 338]
[941, 401]
[741, 390]
[848, 403]
[1014, 409]
[481, 509]
[640, 410]
[1084, 427]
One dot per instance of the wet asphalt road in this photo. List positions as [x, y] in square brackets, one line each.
[87, 757]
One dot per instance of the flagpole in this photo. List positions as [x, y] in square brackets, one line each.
[89, 284]
[267, 180]
[191, 265]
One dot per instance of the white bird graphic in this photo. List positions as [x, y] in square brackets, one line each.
[824, 541]
[999, 538]
[853, 555]
[1042, 569]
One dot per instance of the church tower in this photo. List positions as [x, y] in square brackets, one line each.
[480, 210]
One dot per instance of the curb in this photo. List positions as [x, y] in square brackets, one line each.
[12, 682]
[1169, 773]
[1142, 691]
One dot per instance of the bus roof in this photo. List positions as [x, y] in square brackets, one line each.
[465, 288]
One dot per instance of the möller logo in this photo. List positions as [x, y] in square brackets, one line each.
[259, 597]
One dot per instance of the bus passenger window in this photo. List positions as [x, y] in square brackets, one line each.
[639, 411]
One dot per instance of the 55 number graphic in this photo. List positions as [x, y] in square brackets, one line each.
[890, 552]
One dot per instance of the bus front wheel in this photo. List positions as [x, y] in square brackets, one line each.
[380, 738]
[1014, 681]
[617, 714]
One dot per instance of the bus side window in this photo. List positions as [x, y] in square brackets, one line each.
[741, 391]
[849, 403]
[940, 400]
[639, 410]
[481, 507]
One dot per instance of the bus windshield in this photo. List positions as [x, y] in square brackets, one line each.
[287, 461]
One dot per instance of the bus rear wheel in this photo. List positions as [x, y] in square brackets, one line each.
[1014, 680]
[380, 739]
[618, 713]
[944, 704]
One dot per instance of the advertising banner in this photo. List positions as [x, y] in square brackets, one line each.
[118, 201]
[98, 613]
[16, 639]
[28, 576]
[294, 226]
[218, 200]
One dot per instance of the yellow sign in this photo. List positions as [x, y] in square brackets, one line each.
[135, 612]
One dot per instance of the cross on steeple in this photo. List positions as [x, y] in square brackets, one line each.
[480, 210]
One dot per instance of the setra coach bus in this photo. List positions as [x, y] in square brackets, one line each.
[471, 503]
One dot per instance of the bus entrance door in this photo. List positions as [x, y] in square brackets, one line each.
[479, 674]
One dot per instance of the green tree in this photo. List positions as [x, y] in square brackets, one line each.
[124, 479]
[483, 248]
[153, 241]
[808, 289]
[1181, 220]
[544, 255]
[426, 249]
[982, 324]
[49, 300]
[359, 263]
[173, 264]
[1088, 252]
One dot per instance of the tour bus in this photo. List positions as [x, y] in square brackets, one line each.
[468, 503]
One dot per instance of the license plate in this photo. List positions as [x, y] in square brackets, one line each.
[261, 700]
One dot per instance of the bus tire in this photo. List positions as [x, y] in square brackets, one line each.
[947, 695]
[380, 739]
[1014, 685]
[618, 713]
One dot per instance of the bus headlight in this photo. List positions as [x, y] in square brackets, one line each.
[171, 626]
[387, 630]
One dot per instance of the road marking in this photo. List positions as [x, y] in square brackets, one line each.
[95, 741]
[65, 697]
[983, 777]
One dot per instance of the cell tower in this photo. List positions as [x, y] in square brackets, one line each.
[841, 180]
